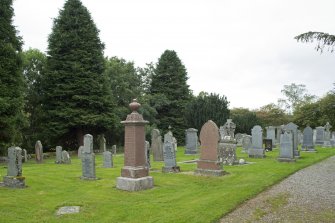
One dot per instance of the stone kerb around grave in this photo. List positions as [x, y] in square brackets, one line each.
[135, 173]
[208, 164]
[14, 178]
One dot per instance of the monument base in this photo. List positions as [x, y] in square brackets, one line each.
[207, 172]
[289, 160]
[256, 153]
[134, 184]
[14, 182]
[88, 178]
[171, 169]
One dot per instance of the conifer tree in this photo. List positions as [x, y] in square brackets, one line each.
[11, 79]
[77, 99]
[170, 82]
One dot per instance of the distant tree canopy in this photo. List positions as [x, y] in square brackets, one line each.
[11, 80]
[323, 40]
[272, 115]
[169, 83]
[244, 119]
[206, 107]
[77, 96]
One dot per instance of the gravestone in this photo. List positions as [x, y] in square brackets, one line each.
[239, 139]
[147, 154]
[156, 145]
[14, 178]
[332, 140]
[80, 151]
[268, 144]
[108, 159]
[221, 131]
[88, 159]
[294, 128]
[169, 154]
[102, 143]
[279, 130]
[191, 141]
[24, 155]
[113, 150]
[246, 143]
[66, 159]
[286, 152]
[256, 150]
[300, 137]
[208, 163]
[38, 152]
[58, 155]
[308, 144]
[227, 145]
[319, 135]
[135, 173]
[271, 134]
[175, 144]
[327, 133]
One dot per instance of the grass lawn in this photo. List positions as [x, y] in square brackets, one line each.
[177, 198]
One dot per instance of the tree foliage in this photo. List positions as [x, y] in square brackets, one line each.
[169, 81]
[272, 115]
[244, 119]
[77, 97]
[323, 40]
[11, 80]
[206, 107]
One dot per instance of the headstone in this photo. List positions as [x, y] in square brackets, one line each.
[102, 143]
[246, 143]
[271, 134]
[286, 152]
[39, 152]
[58, 155]
[191, 141]
[227, 145]
[88, 159]
[135, 173]
[319, 135]
[24, 155]
[280, 130]
[332, 140]
[175, 144]
[256, 150]
[14, 178]
[80, 151]
[66, 159]
[222, 133]
[294, 128]
[113, 150]
[239, 139]
[208, 163]
[157, 145]
[147, 154]
[268, 144]
[300, 137]
[308, 144]
[327, 137]
[169, 154]
[108, 159]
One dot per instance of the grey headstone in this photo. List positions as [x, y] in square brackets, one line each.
[169, 154]
[246, 143]
[66, 157]
[256, 150]
[147, 154]
[114, 149]
[80, 151]
[157, 145]
[294, 128]
[327, 135]
[227, 145]
[108, 159]
[39, 152]
[175, 144]
[286, 153]
[24, 155]
[319, 135]
[308, 144]
[102, 143]
[271, 134]
[58, 154]
[227, 131]
[300, 137]
[191, 141]
[88, 159]
[239, 139]
[14, 161]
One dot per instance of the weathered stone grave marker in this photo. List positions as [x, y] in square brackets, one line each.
[38, 152]
[14, 178]
[308, 144]
[88, 159]
[286, 152]
[191, 140]
[256, 150]
[157, 145]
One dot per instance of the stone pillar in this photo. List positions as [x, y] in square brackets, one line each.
[88, 159]
[58, 155]
[135, 173]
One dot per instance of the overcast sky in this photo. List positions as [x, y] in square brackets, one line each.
[243, 49]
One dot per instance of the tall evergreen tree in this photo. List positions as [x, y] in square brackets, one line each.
[11, 79]
[77, 99]
[170, 81]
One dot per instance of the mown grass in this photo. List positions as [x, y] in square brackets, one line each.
[180, 197]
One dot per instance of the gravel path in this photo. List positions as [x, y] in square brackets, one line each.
[306, 196]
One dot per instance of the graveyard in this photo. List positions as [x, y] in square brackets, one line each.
[176, 197]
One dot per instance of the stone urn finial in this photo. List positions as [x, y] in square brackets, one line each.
[134, 106]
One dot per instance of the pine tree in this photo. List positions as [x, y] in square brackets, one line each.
[170, 82]
[77, 99]
[11, 79]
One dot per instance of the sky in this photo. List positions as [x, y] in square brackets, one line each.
[242, 49]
